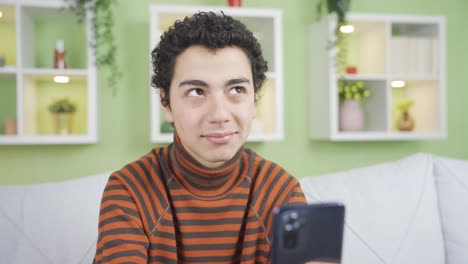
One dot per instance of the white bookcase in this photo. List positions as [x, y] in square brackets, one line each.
[383, 48]
[28, 32]
[266, 24]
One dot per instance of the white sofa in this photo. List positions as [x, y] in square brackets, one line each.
[414, 210]
[52, 222]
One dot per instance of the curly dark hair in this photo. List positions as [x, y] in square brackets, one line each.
[211, 30]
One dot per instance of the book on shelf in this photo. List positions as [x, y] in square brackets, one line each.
[414, 56]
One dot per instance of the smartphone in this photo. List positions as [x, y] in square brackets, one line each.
[309, 233]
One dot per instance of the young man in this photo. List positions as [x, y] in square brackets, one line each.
[204, 198]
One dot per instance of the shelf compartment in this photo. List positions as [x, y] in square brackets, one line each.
[415, 49]
[373, 107]
[425, 111]
[263, 30]
[30, 30]
[265, 122]
[8, 35]
[42, 27]
[40, 91]
[367, 47]
[8, 105]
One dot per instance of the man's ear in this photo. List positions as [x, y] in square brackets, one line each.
[166, 109]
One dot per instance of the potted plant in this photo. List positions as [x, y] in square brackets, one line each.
[352, 90]
[351, 93]
[62, 109]
[103, 43]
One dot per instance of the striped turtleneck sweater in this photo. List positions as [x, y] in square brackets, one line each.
[168, 208]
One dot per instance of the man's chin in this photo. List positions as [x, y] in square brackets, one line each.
[218, 160]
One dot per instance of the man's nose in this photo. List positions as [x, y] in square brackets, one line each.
[218, 111]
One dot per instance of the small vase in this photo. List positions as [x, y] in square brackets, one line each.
[405, 122]
[10, 126]
[351, 116]
[63, 123]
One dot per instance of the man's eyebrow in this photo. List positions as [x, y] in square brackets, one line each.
[194, 83]
[237, 81]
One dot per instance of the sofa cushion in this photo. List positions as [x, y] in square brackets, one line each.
[51, 222]
[452, 183]
[391, 211]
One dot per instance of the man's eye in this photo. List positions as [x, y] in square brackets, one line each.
[237, 90]
[195, 92]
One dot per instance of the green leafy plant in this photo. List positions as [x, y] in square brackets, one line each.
[352, 90]
[340, 8]
[62, 105]
[404, 104]
[103, 44]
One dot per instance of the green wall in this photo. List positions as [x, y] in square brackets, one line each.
[124, 119]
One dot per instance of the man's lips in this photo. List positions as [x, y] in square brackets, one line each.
[219, 137]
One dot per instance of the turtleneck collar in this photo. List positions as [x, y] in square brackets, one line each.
[205, 181]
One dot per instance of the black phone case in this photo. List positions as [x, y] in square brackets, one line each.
[305, 233]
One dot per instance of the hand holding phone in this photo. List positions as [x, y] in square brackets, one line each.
[308, 234]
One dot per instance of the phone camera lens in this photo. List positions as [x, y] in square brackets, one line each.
[292, 225]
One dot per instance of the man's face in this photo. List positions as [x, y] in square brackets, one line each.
[212, 102]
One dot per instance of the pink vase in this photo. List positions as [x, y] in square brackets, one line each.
[351, 116]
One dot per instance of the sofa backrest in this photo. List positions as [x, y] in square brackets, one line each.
[391, 211]
[52, 222]
[451, 177]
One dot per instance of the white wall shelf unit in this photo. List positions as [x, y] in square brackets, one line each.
[383, 48]
[31, 30]
[266, 24]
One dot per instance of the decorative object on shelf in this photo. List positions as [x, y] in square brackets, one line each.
[351, 93]
[349, 89]
[59, 55]
[63, 109]
[235, 3]
[103, 44]
[351, 116]
[405, 121]
[63, 123]
[2, 60]
[351, 70]
[10, 126]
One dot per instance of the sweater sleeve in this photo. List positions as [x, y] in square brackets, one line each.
[297, 196]
[121, 238]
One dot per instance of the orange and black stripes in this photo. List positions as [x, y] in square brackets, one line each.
[168, 208]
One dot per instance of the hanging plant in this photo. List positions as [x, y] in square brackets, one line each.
[103, 43]
[340, 8]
